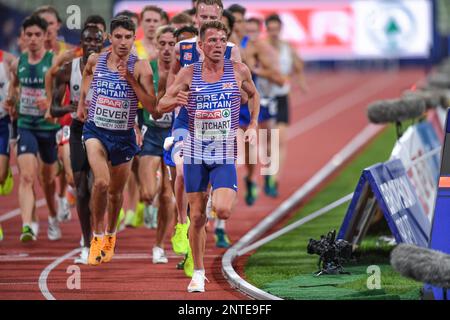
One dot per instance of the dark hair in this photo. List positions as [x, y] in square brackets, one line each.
[48, 9]
[237, 8]
[124, 22]
[129, 14]
[229, 16]
[273, 18]
[255, 20]
[34, 20]
[190, 12]
[190, 29]
[165, 16]
[210, 3]
[212, 25]
[94, 20]
[181, 18]
[152, 8]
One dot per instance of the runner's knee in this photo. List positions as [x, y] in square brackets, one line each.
[223, 211]
[101, 184]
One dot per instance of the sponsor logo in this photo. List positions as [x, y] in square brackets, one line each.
[186, 47]
[208, 115]
[113, 103]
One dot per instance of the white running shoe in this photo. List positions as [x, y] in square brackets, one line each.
[35, 228]
[83, 257]
[197, 283]
[53, 231]
[64, 213]
[159, 256]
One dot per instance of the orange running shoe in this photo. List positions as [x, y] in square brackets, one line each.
[95, 252]
[109, 243]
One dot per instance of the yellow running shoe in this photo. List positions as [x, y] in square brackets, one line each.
[7, 187]
[138, 218]
[1, 233]
[180, 241]
[129, 218]
[120, 220]
[109, 243]
[189, 264]
[95, 251]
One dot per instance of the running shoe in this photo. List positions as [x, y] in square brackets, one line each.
[222, 240]
[147, 217]
[83, 257]
[189, 264]
[35, 228]
[8, 185]
[64, 213]
[1, 233]
[138, 217]
[252, 192]
[159, 256]
[53, 231]
[129, 218]
[180, 241]
[109, 243]
[180, 265]
[27, 234]
[95, 251]
[270, 186]
[120, 220]
[197, 283]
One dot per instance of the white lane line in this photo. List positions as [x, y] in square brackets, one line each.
[43, 277]
[11, 214]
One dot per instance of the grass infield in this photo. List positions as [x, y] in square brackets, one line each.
[283, 267]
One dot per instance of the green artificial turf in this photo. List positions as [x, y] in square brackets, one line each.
[283, 267]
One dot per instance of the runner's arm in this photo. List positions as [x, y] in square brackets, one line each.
[236, 54]
[142, 83]
[13, 90]
[248, 86]
[266, 69]
[62, 78]
[88, 75]
[298, 69]
[177, 94]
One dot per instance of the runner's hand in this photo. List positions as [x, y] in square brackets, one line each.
[81, 114]
[122, 69]
[250, 133]
[42, 103]
[10, 106]
[182, 98]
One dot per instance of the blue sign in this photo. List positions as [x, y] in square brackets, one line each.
[386, 186]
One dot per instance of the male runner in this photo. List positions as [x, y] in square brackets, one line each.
[35, 133]
[188, 52]
[151, 20]
[118, 79]
[154, 133]
[210, 90]
[290, 65]
[51, 15]
[70, 74]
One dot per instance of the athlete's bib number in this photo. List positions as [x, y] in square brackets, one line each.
[111, 113]
[28, 102]
[212, 124]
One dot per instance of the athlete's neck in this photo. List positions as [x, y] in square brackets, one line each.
[214, 66]
[53, 45]
[34, 56]
[163, 65]
[115, 59]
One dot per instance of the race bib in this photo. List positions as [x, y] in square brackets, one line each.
[212, 124]
[111, 114]
[28, 102]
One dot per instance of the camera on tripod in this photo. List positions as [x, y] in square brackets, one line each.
[333, 253]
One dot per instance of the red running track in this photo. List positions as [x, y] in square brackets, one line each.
[322, 122]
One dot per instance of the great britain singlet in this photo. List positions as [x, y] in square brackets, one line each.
[114, 102]
[213, 110]
[4, 84]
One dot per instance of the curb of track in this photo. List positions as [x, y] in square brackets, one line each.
[233, 278]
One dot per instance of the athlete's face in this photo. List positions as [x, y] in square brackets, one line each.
[150, 22]
[206, 13]
[239, 24]
[166, 44]
[102, 29]
[34, 38]
[53, 24]
[274, 30]
[91, 41]
[214, 44]
[253, 30]
[122, 41]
